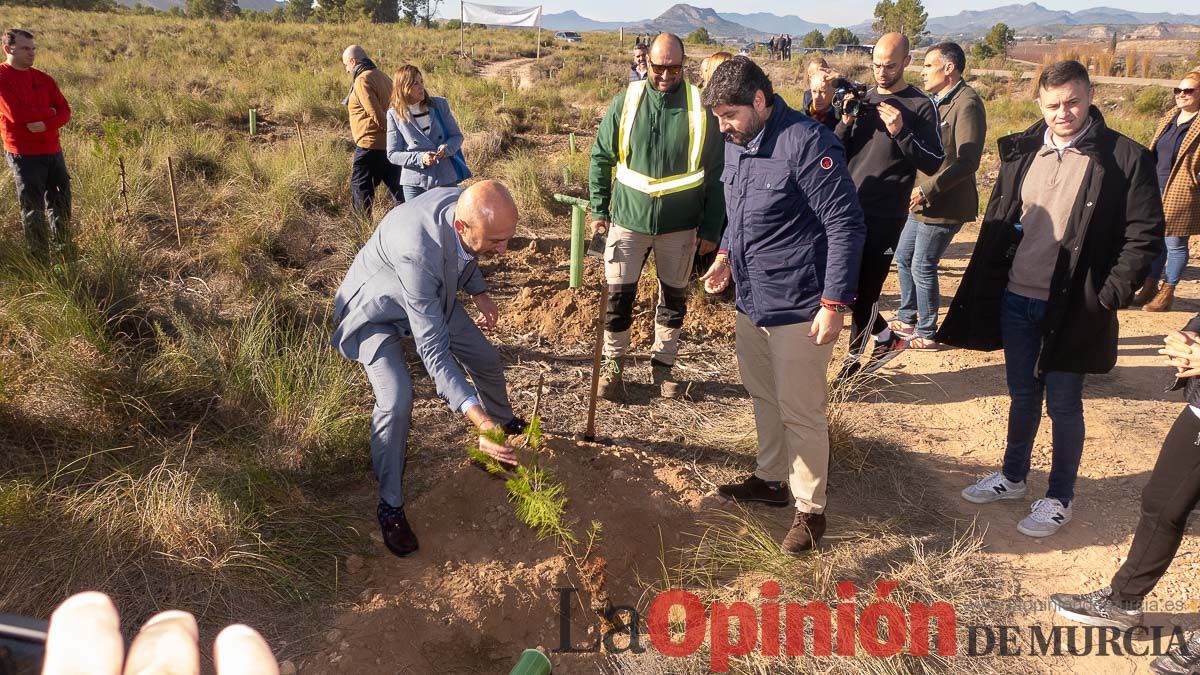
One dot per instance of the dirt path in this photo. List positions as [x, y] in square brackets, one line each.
[518, 72]
[950, 409]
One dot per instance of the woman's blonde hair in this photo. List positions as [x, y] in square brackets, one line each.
[710, 63]
[403, 82]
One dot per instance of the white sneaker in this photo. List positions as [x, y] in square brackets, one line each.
[994, 488]
[1045, 517]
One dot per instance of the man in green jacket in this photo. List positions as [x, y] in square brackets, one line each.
[655, 183]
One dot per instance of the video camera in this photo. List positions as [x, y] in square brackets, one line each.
[856, 105]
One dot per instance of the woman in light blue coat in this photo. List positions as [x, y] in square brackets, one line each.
[423, 137]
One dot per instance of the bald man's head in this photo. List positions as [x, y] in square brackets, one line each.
[352, 56]
[889, 58]
[485, 218]
[666, 62]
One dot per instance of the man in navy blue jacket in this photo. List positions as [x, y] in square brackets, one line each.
[793, 247]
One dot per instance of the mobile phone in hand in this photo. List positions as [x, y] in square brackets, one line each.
[22, 645]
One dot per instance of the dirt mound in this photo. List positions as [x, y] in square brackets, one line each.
[559, 315]
[482, 587]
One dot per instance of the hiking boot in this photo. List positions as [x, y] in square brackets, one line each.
[993, 488]
[660, 376]
[884, 352]
[398, 535]
[1097, 609]
[807, 530]
[1162, 301]
[1147, 293]
[610, 379]
[1045, 517]
[755, 489]
[1186, 660]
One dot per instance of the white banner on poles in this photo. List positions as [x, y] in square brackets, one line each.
[497, 15]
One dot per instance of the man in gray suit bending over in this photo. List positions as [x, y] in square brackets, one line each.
[405, 282]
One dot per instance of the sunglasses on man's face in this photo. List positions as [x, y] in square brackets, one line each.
[660, 69]
[1186, 92]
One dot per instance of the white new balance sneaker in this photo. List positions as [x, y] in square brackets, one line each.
[994, 488]
[1045, 517]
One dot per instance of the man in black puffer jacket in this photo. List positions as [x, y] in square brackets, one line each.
[1073, 224]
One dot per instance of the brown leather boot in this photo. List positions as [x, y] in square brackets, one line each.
[806, 533]
[1147, 293]
[1162, 301]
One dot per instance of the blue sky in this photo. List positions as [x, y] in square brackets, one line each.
[846, 12]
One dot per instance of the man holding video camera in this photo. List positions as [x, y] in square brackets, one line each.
[889, 132]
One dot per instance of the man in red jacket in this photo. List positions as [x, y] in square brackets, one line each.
[32, 110]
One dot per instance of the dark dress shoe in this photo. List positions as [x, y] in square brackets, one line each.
[755, 489]
[514, 426]
[806, 533]
[398, 535]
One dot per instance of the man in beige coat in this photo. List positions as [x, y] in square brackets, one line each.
[367, 103]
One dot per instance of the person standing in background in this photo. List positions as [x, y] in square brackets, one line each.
[32, 110]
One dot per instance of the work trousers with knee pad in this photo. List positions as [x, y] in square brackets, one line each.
[625, 256]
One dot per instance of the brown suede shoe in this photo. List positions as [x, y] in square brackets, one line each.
[806, 533]
[1162, 301]
[755, 489]
[1147, 293]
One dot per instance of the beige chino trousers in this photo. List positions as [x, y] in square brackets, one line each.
[785, 374]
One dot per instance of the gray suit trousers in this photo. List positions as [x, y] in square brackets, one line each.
[392, 415]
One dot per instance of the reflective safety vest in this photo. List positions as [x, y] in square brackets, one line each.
[657, 187]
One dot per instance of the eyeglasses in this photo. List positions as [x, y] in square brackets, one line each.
[660, 69]
[1186, 92]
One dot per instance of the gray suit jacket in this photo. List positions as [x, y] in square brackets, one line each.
[405, 281]
[406, 144]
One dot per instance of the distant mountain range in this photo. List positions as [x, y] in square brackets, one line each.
[1030, 18]
[684, 19]
[1032, 15]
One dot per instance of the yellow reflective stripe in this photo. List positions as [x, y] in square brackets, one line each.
[698, 125]
[697, 128]
[633, 96]
[656, 187]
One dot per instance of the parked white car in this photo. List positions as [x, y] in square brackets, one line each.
[568, 36]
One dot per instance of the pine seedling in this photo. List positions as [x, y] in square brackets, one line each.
[495, 435]
[539, 502]
[533, 432]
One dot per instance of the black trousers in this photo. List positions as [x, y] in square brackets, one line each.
[865, 312]
[1167, 501]
[44, 192]
[368, 169]
[880, 248]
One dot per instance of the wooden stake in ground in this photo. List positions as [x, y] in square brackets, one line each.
[124, 185]
[303, 151]
[597, 355]
[174, 201]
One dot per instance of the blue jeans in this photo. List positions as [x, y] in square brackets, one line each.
[1020, 327]
[921, 247]
[413, 191]
[1174, 258]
